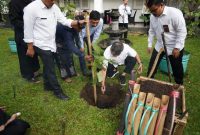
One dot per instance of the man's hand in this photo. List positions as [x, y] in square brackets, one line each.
[176, 53]
[78, 24]
[82, 49]
[82, 23]
[30, 51]
[140, 67]
[149, 50]
[2, 127]
[89, 58]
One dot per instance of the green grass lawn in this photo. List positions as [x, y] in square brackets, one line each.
[50, 116]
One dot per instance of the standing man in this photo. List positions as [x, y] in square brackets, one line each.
[170, 21]
[124, 11]
[40, 20]
[96, 26]
[29, 66]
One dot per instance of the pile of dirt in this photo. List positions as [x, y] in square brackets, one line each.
[159, 89]
[109, 99]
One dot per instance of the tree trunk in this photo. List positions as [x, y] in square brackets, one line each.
[1, 20]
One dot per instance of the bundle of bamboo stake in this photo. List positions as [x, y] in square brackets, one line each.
[145, 113]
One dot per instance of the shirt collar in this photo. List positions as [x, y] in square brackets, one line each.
[42, 4]
[165, 10]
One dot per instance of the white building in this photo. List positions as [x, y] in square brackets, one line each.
[102, 5]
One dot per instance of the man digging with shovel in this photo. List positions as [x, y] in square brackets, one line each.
[167, 24]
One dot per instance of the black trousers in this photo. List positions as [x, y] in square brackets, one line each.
[125, 25]
[49, 74]
[176, 64]
[129, 65]
[65, 61]
[27, 64]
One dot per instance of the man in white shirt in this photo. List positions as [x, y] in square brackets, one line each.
[119, 54]
[40, 20]
[124, 11]
[170, 21]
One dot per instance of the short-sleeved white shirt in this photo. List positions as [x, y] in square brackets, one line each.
[120, 59]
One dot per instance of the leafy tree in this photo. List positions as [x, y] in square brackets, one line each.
[191, 10]
[69, 10]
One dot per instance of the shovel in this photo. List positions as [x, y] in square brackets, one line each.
[166, 29]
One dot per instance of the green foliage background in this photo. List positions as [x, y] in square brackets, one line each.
[191, 10]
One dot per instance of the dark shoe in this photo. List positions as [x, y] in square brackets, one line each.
[33, 80]
[112, 74]
[62, 96]
[122, 80]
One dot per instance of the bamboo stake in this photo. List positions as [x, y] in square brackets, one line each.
[156, 106]
[162, 115]
[141, 100]
[147, 112]
[136, 90]
[90, 53]
[155, 62]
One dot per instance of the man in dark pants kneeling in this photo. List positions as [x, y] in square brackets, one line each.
[68, 42]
